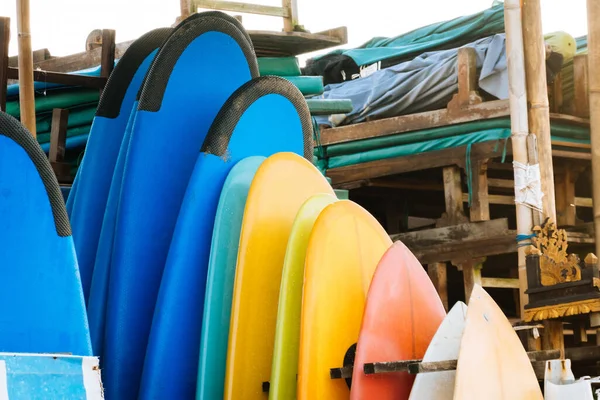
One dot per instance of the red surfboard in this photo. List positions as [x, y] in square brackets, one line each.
[402, 313]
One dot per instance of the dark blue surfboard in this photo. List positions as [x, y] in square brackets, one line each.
[199, 66]
[265, 116]
[90, 190]
[41, 300]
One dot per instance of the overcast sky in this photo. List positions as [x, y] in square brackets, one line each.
[63, 25]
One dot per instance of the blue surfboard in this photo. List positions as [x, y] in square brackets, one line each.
[90, 190]
[220, 278]
[195, 71]
[41, 300]
[265, 116]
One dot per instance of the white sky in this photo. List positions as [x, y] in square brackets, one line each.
[63, 25]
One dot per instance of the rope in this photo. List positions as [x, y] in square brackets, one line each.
[521, 238]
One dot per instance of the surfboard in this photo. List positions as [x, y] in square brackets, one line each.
[402, 313]
[281, 185]
[90, 189]
[559, 382]
[284, 368]
[445, 345]
[97, 302]
[491, 351]
[241, 129]
[344, 248]
[41, 300]
[221, 274]
[180, 97]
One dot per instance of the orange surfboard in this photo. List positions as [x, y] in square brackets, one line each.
[402, 313]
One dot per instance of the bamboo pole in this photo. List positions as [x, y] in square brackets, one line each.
[593, 15]
[519, 123]
[26, 93]
[537, 96]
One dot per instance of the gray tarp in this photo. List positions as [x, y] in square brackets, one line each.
[424, 83]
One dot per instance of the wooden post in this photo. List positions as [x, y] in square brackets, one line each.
[453, 196]
[557, 94]
[466, 66]
[290, 22]
[4, 41]
[58, 138]
[26, 93]
[553, 336]
[438, 274]
[187, 8]
[480, 201]
[519, 122]
[566, 176]
[107, 60]
[471, 275]
[537, 96]
[581, 100]
[593, 13]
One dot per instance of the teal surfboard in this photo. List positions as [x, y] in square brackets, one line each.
[221, 274]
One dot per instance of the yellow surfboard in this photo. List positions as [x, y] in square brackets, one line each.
[344, 249]
[492, 363]
[287, 333]
[281, 185]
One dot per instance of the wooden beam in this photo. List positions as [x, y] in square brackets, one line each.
[501, 183]
[26, 92]
[94, 82]
[453, 196]
[4, 42]
[278, 44]
[581, 101]
[467, 80]
[79, 61]
[503, 283]
[438, 274]
[107, 61]
[480, 203]
[291, 21]
[593, 15]
[248, 8]
[471, 275]
[414, 122]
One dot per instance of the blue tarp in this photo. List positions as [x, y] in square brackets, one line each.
[424, 83]
[442, 35]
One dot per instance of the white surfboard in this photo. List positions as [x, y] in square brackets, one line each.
[445, 345]
[559, 382]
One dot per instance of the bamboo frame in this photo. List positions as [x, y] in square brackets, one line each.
[26, 92]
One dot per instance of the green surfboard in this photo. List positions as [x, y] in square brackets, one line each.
[287, 334]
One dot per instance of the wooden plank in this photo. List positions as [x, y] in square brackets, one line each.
[501, 183]
[279, 44]
[576, 155]
[581, 103]
[247, 8]
[26, 91]
[584, 202]
[38, 56]
[414, 122]
[463, 250]
[438, 274]
[503, 283]
[470, 231]
[4, 42]
[94, 82]
[79, 61]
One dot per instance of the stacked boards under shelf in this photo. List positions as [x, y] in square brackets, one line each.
[208, 241]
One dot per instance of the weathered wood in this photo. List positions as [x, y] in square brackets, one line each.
[93, 82]
[438, 274]
[186, 8]
[581, 101]
[471, 275]
[247, 8]
[58, 134]
[557, 94]
[26, 92]
[480, 203]
[593, 14]
[537, 98]
[501, 183]
[107, 61]
[575, 155]
[79, 61]
[4, 42]
[437, 366]
[38, 56]
[291, 20]
[467, 80]
[453, 197]
[452, 234]
[279, 44]
[503, 283]
[553, 336]
[565, 179]
[414, 122]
